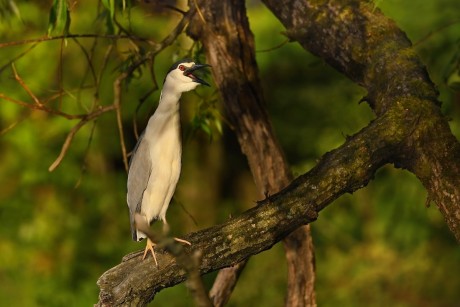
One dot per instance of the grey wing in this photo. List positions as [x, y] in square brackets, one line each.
[140, 166]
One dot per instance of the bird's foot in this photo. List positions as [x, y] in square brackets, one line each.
[182, 241]
[149, 247]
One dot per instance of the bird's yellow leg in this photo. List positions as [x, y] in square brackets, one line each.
[149, 247]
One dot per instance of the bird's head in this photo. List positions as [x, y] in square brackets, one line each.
[182, 76]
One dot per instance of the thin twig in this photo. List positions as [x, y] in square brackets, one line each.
[117, 103]
[60, 71]
[74, 130]
[199, 12]
[274, 47]
[104, 65]
[49, 38]
[168, 40]
[431, 33]
[17, 57]
[38, 104]
[87, 57]
[25, 87]
[83, 167]
[42, 108]
[14, 124]
[176, 9]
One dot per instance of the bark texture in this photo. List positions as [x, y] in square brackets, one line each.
[409, 132]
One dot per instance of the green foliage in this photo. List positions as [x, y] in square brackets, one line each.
[60, 231]
[109, 15]
[59, 18]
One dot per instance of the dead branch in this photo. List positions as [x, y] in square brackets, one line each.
[225, 282]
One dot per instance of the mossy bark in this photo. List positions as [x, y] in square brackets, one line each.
[357, 39]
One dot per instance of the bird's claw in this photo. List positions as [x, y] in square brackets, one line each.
[182, 241]
[149, 247]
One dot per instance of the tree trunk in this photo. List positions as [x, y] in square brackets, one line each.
[223, 29]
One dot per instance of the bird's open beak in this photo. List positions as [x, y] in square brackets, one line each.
[189, 73]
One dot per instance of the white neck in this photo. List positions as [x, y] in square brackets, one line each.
[169, 102]
[166, 117]
[169, 98]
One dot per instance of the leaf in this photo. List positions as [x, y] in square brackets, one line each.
[59, 18]
[218, 125]
[109, 15]
[206, 128]
[110, 6]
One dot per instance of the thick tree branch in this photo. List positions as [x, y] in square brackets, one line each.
[357, 39]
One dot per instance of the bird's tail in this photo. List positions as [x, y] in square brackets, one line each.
[136, 234]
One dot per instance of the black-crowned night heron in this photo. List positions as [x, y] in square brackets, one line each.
[155, 162]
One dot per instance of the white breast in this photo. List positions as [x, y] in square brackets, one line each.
[163, 136]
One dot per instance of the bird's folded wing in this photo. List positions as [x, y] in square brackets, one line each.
[140, 167]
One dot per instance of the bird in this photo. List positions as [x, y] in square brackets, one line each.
[155, 162]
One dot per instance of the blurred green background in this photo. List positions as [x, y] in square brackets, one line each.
[59, 231]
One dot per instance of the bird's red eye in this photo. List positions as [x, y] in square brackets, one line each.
[182, 67]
